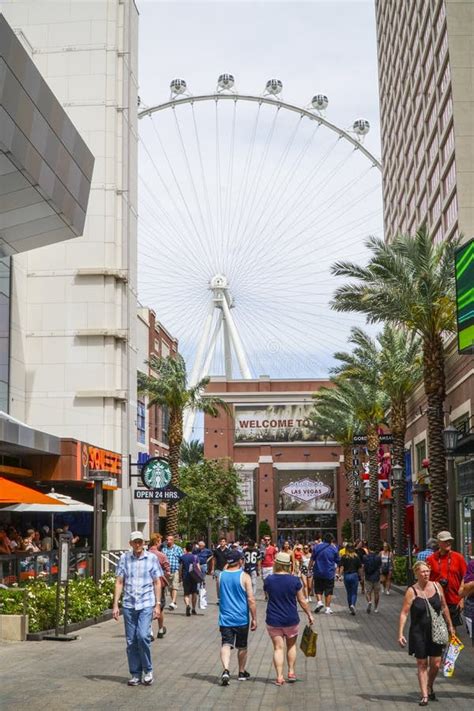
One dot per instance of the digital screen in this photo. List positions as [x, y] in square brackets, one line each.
[465, 297]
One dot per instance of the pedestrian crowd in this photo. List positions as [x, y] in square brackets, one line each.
[31, 540]
[292, 574]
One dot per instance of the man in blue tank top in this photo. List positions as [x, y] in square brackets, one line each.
[236, 602]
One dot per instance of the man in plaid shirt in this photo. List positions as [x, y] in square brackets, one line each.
[431, 547]
[138, 576]
[174, 554]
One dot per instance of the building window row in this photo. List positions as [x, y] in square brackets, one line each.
[448, 146]
[451, 212]
[141, 422]
[449, 179]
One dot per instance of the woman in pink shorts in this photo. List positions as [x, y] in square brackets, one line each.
[284, 590]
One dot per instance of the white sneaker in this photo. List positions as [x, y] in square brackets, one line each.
[319, 607]
[328, 611]
[376, 610]
[134, 681]
[309, 599]
[172, 606]
[387, 592]
[148, 678]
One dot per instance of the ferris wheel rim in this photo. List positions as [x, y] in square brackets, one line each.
[278, 103]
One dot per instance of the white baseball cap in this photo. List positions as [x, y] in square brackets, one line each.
[136, 536]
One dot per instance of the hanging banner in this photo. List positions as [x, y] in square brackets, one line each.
[300, 491]
[275, 423]
[246, 500]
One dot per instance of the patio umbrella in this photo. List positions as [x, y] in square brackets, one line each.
[57, 503]
[13, 493]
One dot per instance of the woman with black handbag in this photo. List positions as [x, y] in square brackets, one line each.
[429, 632]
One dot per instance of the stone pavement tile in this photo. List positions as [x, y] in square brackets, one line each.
[358, 667]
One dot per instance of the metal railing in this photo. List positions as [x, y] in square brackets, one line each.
[110, 560]
[22, 567]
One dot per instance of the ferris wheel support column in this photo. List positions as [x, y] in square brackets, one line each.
[227, 349]
[196, 371]
[236, 342]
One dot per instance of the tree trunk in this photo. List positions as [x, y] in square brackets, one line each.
[353, 499]
[175, 438]
[435, 389]
[373, 503]
[398, 421]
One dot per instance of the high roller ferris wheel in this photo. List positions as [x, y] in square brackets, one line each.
[245, 202]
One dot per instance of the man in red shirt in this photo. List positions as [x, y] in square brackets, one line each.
[448, 568]
[269, 554]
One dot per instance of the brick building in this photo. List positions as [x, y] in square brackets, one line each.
[291, 477]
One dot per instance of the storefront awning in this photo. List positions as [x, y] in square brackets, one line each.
[18, 439]
[13, 493]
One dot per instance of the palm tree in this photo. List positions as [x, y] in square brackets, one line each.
[169, 389]
[395, 356]
[369, 404]
[334, 418]
[410, 282]
[191, 452]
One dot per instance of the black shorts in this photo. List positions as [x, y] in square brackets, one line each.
[323, 586]
[189, 586]
[235, 636]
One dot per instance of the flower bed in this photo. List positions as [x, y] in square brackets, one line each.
[86, 600]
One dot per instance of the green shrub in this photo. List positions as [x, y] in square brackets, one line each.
[86, 600]
[400, 570]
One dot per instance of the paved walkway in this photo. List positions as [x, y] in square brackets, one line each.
[358, 666]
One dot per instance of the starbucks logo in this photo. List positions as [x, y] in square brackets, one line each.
[156, 473]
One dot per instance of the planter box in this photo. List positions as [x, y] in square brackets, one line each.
[73, 627]
[13, 628]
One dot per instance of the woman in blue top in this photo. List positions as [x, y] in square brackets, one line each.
[283, 590]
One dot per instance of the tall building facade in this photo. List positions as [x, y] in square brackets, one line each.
[426, 105]
[73, 348]
[426, 88]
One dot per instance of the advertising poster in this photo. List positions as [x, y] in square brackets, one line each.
[275, 423]
[306, 491]
[246, 500]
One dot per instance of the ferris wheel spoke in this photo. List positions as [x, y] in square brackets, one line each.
[288, 206]
[191, 178]
[204, 179]
[253, 189]
[150, 230]
[192, 229]
[293, 238]
[230, 180]
[170, 195]
[238, 207]
[152, 237]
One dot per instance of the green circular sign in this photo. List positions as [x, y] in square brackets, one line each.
[156, 473]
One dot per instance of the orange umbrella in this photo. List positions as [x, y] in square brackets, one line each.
[13, 493]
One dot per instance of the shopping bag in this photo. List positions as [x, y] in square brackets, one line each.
[451, 654]
[308, 642]
[202, 598]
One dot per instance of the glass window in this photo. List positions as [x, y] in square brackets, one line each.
[141, 422]
[451, 211]
[420, 454]
[449, 179]
[165, 424]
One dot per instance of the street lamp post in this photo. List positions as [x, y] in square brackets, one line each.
[388, 504]
[366, 499]
[397, 474]
[450, 437]
[98, 477]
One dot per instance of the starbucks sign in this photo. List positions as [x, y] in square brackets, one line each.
[156, 473]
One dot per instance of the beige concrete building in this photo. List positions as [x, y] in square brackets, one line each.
[426, 80]
[73, 305]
